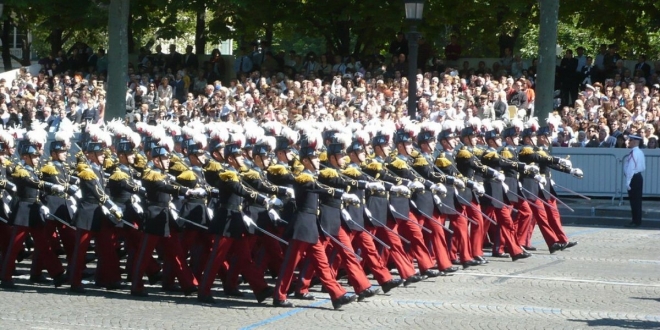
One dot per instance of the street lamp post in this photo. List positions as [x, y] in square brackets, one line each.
[414, 11]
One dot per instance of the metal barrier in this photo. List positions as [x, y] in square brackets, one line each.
[603, 172]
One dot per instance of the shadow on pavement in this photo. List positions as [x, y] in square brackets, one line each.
[623, 324]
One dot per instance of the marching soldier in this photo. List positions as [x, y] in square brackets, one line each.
[306, 236]
[28, 215]
[7, 188]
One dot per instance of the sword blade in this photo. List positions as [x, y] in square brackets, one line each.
[62, 221]
[435, 221]
[269, 234]
[560, 201]
[340, 244]
[572, 192]
[194, 223]
[539, 198]
[370, 234]
[403, 239]
[403, 217]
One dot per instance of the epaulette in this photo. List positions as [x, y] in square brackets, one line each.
[464, 153]
[175, 159]
[229, 176]
[187, 175]
[277, 170]
[420, 161]
[119, 175]
[414, 153]
[81, 167]
[251, 175]
[506, 153]
[304, 177]
[526, 151]
[213, 166]
[140, 161]
[87, 175]
[442, 161]
[328, 173]
[298, 167]
[352, 172]
[478, 151]
[49, 169]
[399, 163]
[151, 175]
[108, 163]
[491, 154]
[375, 166]
[20, 172]
[542, 153]
[323, 156]
[6, 163]
[179, 167]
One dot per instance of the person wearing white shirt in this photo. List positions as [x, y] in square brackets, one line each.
[633, 166]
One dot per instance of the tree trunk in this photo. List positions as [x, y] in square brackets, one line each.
[6, 54]
[545, 84]
[117, 59]
[131, 41]
[344, 39]
[200, 28]
[55, 40]
[268, 36]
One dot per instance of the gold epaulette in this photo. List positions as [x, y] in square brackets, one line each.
[81, 167]
[251, 175]
[442, 162]
[491, 155]
[119, 175]
[506, 153]
[399, 163]
[542, 153]
[175, 159]
[213, 166]
[49, 169]
[87, 175]
[277, 170]
[178, 167]
[420, 161]
[304, 177]
[478, 152]
[6, 163]
[323, 156]
[187, 175]
[464, 153]
[328, 173]
[526, 151]
[20, 173]
[229, 176]
[151, 175]
[375, 166]
[352, 172]
[140, 161]
[108, 163]
[414, 153]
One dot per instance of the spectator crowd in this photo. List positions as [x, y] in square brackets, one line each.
[599, 100]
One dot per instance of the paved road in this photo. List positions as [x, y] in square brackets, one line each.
[610, 280]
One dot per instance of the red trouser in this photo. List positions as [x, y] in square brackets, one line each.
[437, 240]
[5, 234]
[403, 264]
[356, 276]
[240, 247]
[542, 220]
[42, 249]
[132, 240]
[473, 211]
[172, 255]
[524, 222]
[107, 270]
[66, 234]
[460, 240]
[508, 234]
[418, 249]
[319, 261]
[268, 253]
[365, 243]
[198, 244]
[554, 220]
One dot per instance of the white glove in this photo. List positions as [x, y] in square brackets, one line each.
[290, 193]
[367, 212]
[542, 181]
[138, 209]
[437, 200]
[351, 198]
[135, 199]
[532, 168]
[78, 194]
[479, 189]
[346, 216]
[249, 224]
[274, 216]
[138, 183]
[439, 188]
[45, 211]
[400, 189]
[458, 183]
[210, 212]
[375, 186]
[576, 172]
[415, 185]
[275, 202]
[74, 208]
[116, 211]
[499, 177]
[196, 192]
[506, 187]
[174, 213]
[565, 163]
[72, 200]
[7, 210]
[57, 188]
[552, 182]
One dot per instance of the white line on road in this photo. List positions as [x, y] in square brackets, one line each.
[561, 279]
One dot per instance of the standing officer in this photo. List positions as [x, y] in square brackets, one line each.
[633, 166]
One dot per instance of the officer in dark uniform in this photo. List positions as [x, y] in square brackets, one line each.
[306, 237]
[7, 188]
[159, 224]
[229, 227]
[28, 215]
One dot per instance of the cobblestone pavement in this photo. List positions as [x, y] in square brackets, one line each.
[610, 280]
